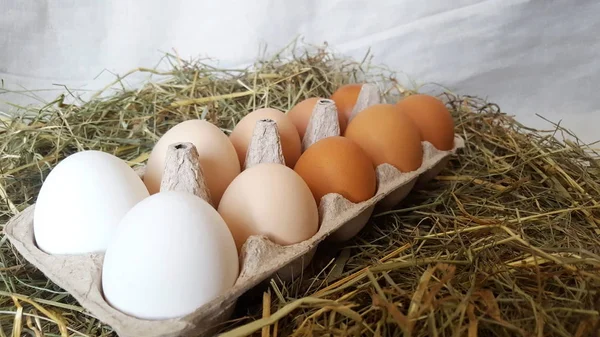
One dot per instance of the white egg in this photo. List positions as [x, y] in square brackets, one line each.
[172, 254]
[82, 201]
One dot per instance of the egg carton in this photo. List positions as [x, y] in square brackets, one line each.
[260, 258]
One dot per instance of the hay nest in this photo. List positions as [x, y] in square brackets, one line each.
[505, 241]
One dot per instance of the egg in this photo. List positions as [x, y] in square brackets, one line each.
[301, 112]
[432, 118]
[350, 99]
[337, 165]
[290, 139]
[345, 98]
[272, 200]
[387, 136]
[172, 254]
[216, 152]
[81, 202]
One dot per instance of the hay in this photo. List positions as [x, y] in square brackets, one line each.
[505, 242]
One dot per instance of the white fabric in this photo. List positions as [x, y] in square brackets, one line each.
[528, 56]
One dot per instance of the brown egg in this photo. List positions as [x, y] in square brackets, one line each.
[432, 118]
[290, 140]
[301, 112]
[345, 98]
[337, 165]
[387, 136]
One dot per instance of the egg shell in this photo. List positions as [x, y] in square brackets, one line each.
[290, 139]
[337, 165]
[345, 98]
[80, 275]
[172, 254]
[301, 112]
[82, 200]
[433, 119]
[272, 200]
[387, 136]
[216, 153]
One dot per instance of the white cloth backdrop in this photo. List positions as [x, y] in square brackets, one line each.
[531, 57]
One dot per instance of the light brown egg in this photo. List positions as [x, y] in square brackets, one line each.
[387, 136]
[290, 140]
[345, 98]
[272, 200]
[216, 153]
[337, 165]
[431, 117]
[301, 112]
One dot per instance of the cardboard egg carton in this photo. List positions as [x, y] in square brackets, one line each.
[260, 259]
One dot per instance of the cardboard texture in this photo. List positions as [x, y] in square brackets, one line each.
[323, 123]
[260, 258]
[265, 145]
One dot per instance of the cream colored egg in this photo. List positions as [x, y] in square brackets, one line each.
[272, 200]
[291, 144]
[216, 153]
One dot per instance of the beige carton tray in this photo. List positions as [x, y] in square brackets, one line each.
[340, 219]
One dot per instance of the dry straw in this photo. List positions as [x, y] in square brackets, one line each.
[504, 242]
